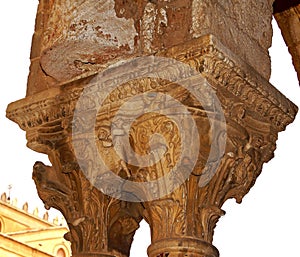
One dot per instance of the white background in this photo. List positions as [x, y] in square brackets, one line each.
[265, 224]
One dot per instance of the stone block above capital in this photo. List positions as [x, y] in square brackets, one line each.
[72, 38]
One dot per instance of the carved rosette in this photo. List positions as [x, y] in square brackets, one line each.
[182, 222]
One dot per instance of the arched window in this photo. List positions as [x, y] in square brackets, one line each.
[2, 225]
[61, 253]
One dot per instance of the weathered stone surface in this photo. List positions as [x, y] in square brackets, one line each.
[82, 34]
[243, 26]
[72, 38]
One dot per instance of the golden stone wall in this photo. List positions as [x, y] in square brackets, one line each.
[24, 234]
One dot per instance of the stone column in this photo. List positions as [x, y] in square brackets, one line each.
[78, 110]
[287, 15]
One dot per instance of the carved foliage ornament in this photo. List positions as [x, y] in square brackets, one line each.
[186, 205]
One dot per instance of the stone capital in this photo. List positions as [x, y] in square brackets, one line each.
[182, 222]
